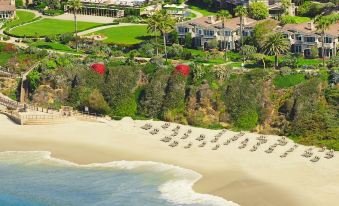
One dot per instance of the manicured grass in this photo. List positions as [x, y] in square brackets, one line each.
[202, 11]
[47, 27]
[21, 17]
[53, 46]
[301, 19]
[287, 81]
[125, 35]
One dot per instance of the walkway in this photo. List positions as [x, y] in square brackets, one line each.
[89, 31]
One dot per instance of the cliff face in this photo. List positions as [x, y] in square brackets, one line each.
[299, 105]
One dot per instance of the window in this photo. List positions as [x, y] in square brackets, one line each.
[327, 39]
[297, 48]
[198, 31]
[208, 32]
[309, 39]
[227, 33]
[298, 37]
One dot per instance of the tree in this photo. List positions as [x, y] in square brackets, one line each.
[224, 15]
[166, 25]
[75, 5]
[259, 57]
[276, 44]
[188, 40]
[322, 24]
[247, 51]
[262, 30]
[153, 27]
[241, 12]
[258, 10]
[285, 5]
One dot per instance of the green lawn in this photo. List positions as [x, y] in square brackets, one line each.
[21, 17]
[47, 27]
[301, 19]
[287, 81]
[125, 35]
[200, 8]
[53, 46]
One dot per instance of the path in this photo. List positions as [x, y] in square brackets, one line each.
[106, 27]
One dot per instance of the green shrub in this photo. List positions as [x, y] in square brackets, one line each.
[247, 119]
[258, 10]
[286, 81]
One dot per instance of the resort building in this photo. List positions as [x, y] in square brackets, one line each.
[177, 11]
[205, 29]
[109, 8]
[304, 37]
[274, 6]
[7, 9]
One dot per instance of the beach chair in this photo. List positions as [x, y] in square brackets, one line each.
[166, 125]
[155, 131]
[202, 144]
[322, 149]
[242, 146]
[166, 139]
[315, 159]
[188, 146]
[227, 142]
[214, 140]
[174, 144]
[216, 147]
[174, 134]
[189, 131]
[284, 155]
[254, 148]
[269, 150]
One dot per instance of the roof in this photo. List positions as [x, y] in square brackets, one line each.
[174, 6]
[7, 8]
[309, 28]
[212, 22]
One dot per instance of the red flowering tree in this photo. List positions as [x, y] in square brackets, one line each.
[99, 68]
[183, 69]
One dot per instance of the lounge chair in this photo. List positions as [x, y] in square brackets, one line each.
[290, 149]
[202, 144]
[254, 148]
[245, 141]
[242, 146]
[284, 155]
[216, 147]
[166, 125]
[269, 150]
[201, 137]
[147, 126]
[166, 139]
[315, 159]
[215, 139]
[188, 146]
[155, 131]
[174, 144]
[184, 136]
[227, 142]
[189, 131]
[174, 134]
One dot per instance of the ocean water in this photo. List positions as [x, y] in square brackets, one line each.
[37, 179]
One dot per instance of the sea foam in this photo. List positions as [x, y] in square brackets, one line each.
[178, 189]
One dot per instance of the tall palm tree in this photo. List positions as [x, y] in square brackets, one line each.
[224, 15]
[285, 5]
[241, 12]
[322, 24]
[166, 25]
[153, 27]
[276, 44]
[75, 5]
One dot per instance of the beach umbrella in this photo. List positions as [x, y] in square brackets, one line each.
[183, 69]
[98, 68]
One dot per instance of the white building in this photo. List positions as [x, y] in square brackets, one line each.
[7, 9]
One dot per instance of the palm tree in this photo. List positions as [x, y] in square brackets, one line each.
[276, 44]
[153, 27]
[322, 24]
[241, 12]
[75, 5]
[166, 25]
[224, 15]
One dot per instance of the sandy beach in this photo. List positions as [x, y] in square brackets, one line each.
[246, 178]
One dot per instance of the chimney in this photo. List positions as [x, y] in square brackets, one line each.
[211, 19]
[310, 26]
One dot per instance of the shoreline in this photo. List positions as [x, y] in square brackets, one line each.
[236, 175]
